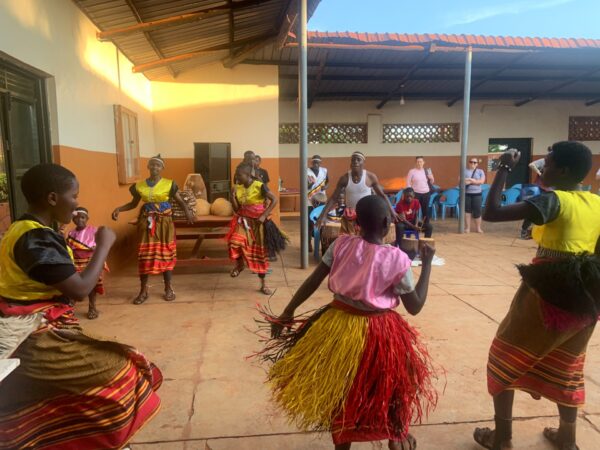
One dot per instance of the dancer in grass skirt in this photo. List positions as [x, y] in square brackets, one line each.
[355, 367]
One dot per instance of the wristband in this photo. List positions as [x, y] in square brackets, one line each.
[504, 166]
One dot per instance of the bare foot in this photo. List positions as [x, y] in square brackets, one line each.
[480, 231]
[467, 230]
[92, 313]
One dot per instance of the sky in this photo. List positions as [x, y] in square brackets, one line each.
[539, 18]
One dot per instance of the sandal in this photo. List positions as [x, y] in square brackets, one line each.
[410, 443]
[552, 435]
[236, 272]
[141, 298]
[486, 438]
[265, 290]
[169, 295]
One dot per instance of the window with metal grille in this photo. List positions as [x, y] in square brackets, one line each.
[325, 133]
[584, 128]
[420, 133]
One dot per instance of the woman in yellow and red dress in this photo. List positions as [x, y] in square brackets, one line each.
[71, 390]
[157, 252]
[253, 238]
[541, 344]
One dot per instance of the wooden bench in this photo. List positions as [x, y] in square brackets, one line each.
[205, 227]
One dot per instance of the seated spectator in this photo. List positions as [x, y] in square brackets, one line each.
[408, 210]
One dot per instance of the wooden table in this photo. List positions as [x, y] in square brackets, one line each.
[205, 227]
[289, 200]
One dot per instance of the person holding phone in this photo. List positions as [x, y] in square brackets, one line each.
[421, 180]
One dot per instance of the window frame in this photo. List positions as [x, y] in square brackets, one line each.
[120, 112]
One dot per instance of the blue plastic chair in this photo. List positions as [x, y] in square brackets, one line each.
[529, 190]
[433, 205]
[510, 196]
[452, 198]
[518, 186]
[398, 197]
[484, 196]
[313, 217]
[485, 187]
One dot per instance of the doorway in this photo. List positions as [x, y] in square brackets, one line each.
[520, 173]
[24, 139]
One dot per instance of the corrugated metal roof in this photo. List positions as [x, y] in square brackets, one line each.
[254, 22]
[360, 66]
[462, 40]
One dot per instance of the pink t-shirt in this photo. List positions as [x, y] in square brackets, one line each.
[368, 276]
[417, 179]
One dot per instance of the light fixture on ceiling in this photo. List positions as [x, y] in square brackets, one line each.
[402, 102]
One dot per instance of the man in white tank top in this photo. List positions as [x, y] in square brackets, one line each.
[356, 183]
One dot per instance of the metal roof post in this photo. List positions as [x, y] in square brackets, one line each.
[303, 121]
[464, 141]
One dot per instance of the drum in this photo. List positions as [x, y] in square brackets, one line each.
[410, 246]
[390, 238]
[329, 233]
[429, 241]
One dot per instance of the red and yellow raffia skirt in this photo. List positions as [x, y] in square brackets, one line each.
[71, 390]
[157, 251]
[361, 376]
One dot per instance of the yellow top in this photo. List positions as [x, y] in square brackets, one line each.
[251, 195]
[577, 227]
[155, 194]
[14, 283]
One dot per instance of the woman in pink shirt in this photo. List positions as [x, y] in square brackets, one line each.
[420, 180]
[356, 367]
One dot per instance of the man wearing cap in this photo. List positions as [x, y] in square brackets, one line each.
[356, 184]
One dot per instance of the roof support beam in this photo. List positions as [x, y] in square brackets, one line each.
[287, 20]
[395, 48]
[231, 25]
[176, 20]
[434, 78]
[237, 57]
[207, 51]
[136, 13]
[491, 77]
[369, 66]
[326, 96]
[406, 77]
[315, 89]
[557, 87]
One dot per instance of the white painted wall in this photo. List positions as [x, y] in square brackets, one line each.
[54, 36]
[214, 104]
[544, 121]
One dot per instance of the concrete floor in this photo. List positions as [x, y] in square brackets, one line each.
[214, 398]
